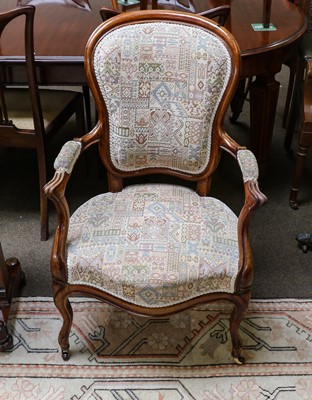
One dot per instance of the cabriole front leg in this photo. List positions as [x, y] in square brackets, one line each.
[237, 315]
[63, 305]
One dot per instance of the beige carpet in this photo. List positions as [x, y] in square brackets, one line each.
[187, 356]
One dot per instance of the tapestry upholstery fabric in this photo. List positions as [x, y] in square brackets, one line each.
[162, 84]
[248, 165]
[153, 245]
[67, 156]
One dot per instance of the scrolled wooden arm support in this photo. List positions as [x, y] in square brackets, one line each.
[55, 191]
[254, 199]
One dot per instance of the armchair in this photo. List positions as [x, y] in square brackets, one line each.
[162, 82]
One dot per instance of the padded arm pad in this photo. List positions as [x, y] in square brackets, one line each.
[248, 165]
[67, 157]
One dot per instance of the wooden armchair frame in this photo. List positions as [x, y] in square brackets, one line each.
[55, 190]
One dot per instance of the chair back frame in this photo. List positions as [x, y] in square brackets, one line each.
[115, 175]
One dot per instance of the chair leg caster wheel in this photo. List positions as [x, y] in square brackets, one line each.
[239, 360]
[65, 355]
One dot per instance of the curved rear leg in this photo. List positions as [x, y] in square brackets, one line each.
[237, 315]
[63, 305]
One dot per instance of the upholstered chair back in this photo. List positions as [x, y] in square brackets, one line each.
[162, 84]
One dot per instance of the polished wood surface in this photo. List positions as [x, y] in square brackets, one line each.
[62, 30]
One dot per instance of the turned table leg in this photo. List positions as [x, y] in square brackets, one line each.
[11, 276]
[263, 102]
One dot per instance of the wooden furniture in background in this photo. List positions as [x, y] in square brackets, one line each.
[220, 14]
[60, 44]
[29, 117]
[301, 106]
[263, 54]
[11, 277]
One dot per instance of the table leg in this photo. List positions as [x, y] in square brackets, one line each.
[239, 98]
[10, 278]
[263, 102]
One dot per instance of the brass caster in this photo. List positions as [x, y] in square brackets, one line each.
[239, 360]
[65, 355]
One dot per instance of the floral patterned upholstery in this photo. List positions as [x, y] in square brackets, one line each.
[157, 245]
[162, 84]
[153, 245]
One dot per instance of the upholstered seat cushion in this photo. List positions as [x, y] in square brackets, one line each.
[153, 245]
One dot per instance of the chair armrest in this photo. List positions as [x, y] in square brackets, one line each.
[248, 165]
[245, 158]
[63, 165]
[254, 199]
[65, 162]
[68, 156]
[55, 191]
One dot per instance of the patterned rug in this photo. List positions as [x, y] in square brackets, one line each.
[187, 356]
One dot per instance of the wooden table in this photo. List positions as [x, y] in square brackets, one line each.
[62, 30]
[263, 54]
